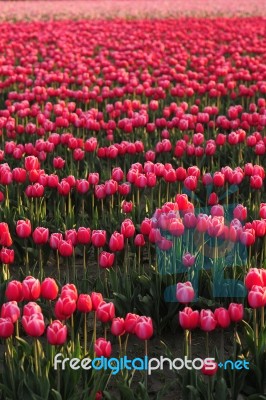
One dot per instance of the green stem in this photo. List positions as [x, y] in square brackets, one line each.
[26, 257]
[58, 264]
[186, 350]
[40, 262]
[120, 347]
[207, 344]
[94, 330]
[36, 357]
[85, 333]
[125, 345]
[84, 262]
[72, 333]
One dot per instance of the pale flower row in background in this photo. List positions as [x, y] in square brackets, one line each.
[43, 10]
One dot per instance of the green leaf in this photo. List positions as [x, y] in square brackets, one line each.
[126, 392]
[56, 395]
[221, 390]
[27, 349]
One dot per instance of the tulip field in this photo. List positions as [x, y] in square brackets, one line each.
[132, 200]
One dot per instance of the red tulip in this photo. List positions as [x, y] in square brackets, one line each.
[188, 318]
[63, 188]
[10, 310]
[144, 328]
[184, 292]
[116, 242]
[33, 325]
[203, 222]
[23, 228]
[65, 248]
[54, 240]
[102, 348]
[217, 211]
[190, 220]
[5, 237]
[190, 183]
[99, 191]
[93, 178]
[71, 180]
[52, 181]
[218, 179]
[182, 201]
[98, 238]
[72, 235]
[236, 312]
[82, 186]
[19, 175]
[259, 227]
[130, 322]
[223, 317]
[96, 299]
[78, 154]
[31, 162]
[256, 182]
[90, 145]
[188, 260]
[117, 174]
[124, 189]
[84, 303]
[5, 177]
[208, 369]
[64, 307]
[84, 235]
[255, 277]
[106, 259]
[240, 212]
[56, 333]
[155, 235]
[257, 297]
[14, 291]
[127, 228]
[118, 326]
[208, 321]
[247, 237]
[216, 226]
[176, 227]
[139, 240]
[262, 212]
[6, 256]
[31, 288]
[6, 328]
[49, 289]
[213, 199]
[31, 308]
[58, 162]
[164, 244]
[105, 311]
[126, 206]
[40, 235]
[207, 179]
[145, 226]
[169, 175]
[111, 187]
[69, 290]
